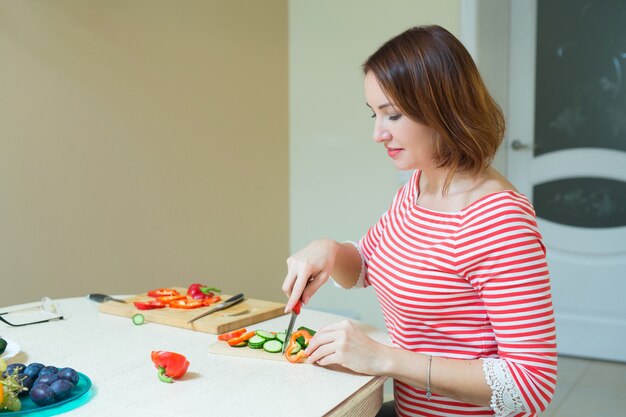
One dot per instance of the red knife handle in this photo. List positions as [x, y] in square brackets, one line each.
[297, 307]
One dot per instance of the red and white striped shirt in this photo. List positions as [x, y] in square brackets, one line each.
[465, 285]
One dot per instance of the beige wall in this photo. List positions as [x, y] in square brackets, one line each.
[142, 144]
[341, 181]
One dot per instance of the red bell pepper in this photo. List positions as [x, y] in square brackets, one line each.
[230, 335]
[171, 365]
[200, 291]
[162, 292]
[293, 344]
[148, 305]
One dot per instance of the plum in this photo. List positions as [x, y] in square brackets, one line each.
[48, 370]
[41, 394]
[47, 379]
[33, 369]
[68, 374]
[11, 369]
[61, 388]
[26, 381]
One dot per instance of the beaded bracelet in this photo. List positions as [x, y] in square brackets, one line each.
[428, 391]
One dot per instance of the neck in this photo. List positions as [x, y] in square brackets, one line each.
[432, 182]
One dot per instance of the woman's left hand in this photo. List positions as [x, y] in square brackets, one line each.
[346, 344]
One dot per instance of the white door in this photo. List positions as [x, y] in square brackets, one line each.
[567, 151]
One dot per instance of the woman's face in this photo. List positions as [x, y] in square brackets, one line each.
[409, 144]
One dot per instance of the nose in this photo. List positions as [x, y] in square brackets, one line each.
[381, 134]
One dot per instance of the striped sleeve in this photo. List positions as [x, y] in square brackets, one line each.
[501, 254]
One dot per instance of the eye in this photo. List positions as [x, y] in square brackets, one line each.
[395, 117]
[373, 116]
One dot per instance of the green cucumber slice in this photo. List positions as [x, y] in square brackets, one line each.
[273, 346]
[281, 336]
[265, 335]
[296, 349]
[256, 340]
[138, 319]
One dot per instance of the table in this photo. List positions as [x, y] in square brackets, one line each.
[115, 354]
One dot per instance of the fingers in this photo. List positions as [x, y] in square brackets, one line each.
[314, 283]
[321, 345]
[294, 285]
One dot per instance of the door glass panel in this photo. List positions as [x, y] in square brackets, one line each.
[582, 202]
[580, 102]
[581, 75]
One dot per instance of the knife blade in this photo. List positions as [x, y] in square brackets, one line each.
[294, 313]
[230, 302]
[101, 298]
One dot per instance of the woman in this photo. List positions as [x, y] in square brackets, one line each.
[457, 262]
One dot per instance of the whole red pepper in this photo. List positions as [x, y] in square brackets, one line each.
[171, 365]
[200, 291]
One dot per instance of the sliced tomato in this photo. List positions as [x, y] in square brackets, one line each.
[162, 292]
[148, 305]
[230, 335]
[186, 303]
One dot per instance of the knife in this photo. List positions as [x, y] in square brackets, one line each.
[230, 302]
[101, 298]
[294, 313]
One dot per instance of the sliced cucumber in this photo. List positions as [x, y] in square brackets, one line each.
[265, 335]
[138, 319]
[296, 349]
[273, 346]
[281, 336]
[256, 340]
[242, 344]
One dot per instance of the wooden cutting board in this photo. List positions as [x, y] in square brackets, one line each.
[222, 348]
[245, 313]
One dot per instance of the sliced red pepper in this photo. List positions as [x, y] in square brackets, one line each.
[293, 344]
[211, 300]
[186, 303]
[244, 337]
[162, 292]
[230, 335]
[168, 299]
[148, 305]
[170, 364]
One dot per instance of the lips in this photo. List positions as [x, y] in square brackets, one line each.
[394, 152]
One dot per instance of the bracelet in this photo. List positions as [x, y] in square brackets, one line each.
[428, 391]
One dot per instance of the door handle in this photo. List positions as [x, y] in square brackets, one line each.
[518, 145]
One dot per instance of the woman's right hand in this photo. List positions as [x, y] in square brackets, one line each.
[309, 269]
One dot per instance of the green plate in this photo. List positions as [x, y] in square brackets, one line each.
[28, 406]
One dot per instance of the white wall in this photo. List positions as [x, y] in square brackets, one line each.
[340, 180]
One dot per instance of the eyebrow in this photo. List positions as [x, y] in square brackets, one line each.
[382, 106]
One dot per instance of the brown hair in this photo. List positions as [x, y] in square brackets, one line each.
[429, 75]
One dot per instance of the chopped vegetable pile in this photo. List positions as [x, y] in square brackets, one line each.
[271, 342]
[198, 295]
